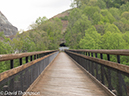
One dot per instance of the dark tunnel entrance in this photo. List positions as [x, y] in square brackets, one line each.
[63, 47]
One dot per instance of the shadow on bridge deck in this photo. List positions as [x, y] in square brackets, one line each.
[64, 78]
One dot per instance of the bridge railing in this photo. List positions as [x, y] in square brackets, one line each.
[17, 80]
[112, 75]
[32, 55]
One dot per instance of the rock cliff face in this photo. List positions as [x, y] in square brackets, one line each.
[6, 26]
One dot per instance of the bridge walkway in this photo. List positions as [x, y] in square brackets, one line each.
[64, 78]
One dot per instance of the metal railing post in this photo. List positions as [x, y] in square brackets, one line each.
[109, 74]
[20, 60]
[11, 64]
[102, 70]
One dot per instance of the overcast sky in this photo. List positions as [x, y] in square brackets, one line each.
[22, 13]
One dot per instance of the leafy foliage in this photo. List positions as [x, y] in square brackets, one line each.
[98, 27]
[44, 35]
[64, 18]
[93, 24]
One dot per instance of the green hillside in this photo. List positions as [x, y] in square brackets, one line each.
[90, 24]
[98, 24]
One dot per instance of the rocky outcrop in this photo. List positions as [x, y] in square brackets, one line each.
[7, 27]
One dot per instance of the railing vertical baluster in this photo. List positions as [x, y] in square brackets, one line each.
[34, 57]
[119, 85]
[108, 57]
[31, 58]
[101, 55]
[26, 59]
[89, 65]
[11, 64]
[85, 63]
[96, 66]
[86, 53]
[91, 54]
[102, 75]
[109, 74]
[20, 60]
[96, 55]
[92, 63]
[118, 58]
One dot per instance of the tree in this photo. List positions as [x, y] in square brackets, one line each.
[114, 3]
[84, 2]
[76, 3]
[77, 31]
[82, 24]
[74, 20]
[124, 20]
[100, 29]
[40, 39]
[101, 4]
[125, 1]
[115, 13]
[17, 44]
[118, 3]
[92, 3]
[90, 10]
[5, 47]
[125, 15]
[112, 28]
[120, 25]
[95, 35]
[53, 29]
[27, 44]
[91, 40]
[126, 38]
[113, 41]
[108, 3]
[107, 16]
[87, 42]
[41, 20]
[79, 3]
[74, 15]
[124, 7]
[97, 17]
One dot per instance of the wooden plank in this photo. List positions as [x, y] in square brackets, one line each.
[112, 52]
[65, 78]
[6, 57]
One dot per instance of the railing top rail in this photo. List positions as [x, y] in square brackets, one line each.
[114, 65]
[5, 57]
[13, 71]
[112, 52]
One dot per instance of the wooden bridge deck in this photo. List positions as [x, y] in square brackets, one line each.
[64, 78]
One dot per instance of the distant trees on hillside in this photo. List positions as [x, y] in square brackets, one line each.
[96, 25]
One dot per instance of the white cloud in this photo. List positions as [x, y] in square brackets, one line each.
[22, 13]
